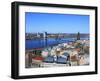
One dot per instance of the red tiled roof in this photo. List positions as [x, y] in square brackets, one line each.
[38, 58]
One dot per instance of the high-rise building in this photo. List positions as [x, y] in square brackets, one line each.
[78, 36]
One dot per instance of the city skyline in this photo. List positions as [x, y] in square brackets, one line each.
[56, 23]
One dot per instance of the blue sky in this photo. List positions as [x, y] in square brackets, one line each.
[56, 23]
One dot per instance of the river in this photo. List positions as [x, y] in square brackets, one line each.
[40, 43]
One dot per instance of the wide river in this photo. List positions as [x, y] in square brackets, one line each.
[31, 44]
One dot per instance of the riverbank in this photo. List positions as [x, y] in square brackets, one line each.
[69, 53]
